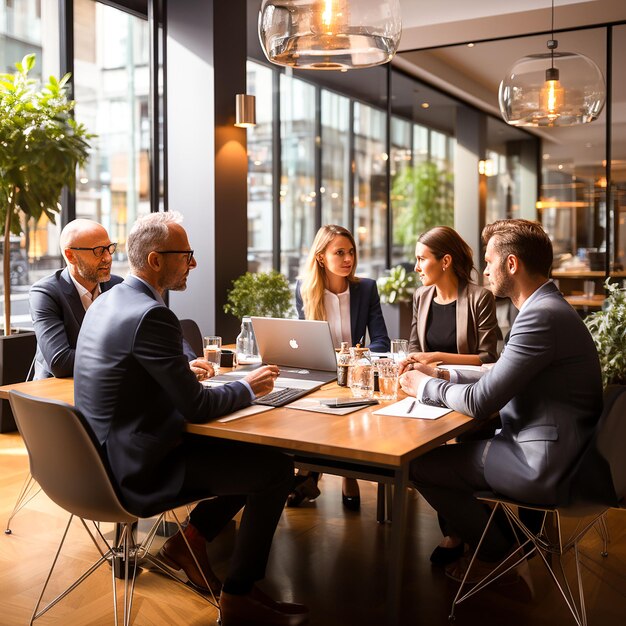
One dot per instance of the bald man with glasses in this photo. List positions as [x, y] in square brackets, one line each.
[58, 302]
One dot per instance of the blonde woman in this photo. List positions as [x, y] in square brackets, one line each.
[330, 291]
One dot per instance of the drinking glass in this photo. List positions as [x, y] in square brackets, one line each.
[213, 351]
[589, 288]
[361, 373]
[388, 378]
[399, 349]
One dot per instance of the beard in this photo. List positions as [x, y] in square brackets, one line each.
[502, 287]
[99, 274]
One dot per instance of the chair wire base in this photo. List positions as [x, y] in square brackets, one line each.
[549, 543]
[29, 490]
[130, 554]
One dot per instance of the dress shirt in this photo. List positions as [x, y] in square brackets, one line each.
[337, 307]
[86, 297]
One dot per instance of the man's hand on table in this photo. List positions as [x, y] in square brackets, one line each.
[262, 379]
[202, 369]
[414, 374]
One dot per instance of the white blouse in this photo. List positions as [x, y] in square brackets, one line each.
[338, 315]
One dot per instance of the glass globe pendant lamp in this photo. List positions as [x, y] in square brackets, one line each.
[329, 34]
[552, 89]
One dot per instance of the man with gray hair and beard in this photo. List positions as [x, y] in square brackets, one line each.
[133, 384]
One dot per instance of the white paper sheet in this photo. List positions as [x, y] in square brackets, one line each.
[253, 409]
[410, 407]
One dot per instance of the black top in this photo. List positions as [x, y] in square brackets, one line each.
[441, 328]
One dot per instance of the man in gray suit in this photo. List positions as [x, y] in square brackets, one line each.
[133, 384]
[546, 385]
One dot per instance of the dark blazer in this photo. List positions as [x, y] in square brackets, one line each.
[57, 314]
[365, 314]
[133, 384]
[477, 329]
[548, 389]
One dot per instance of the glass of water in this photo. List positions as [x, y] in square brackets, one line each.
[213, 351]
[387, 378]
[399, 349]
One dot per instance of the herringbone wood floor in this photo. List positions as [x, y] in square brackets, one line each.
[329, 558]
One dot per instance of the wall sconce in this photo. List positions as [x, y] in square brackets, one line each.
[245, 111]
[487, 167]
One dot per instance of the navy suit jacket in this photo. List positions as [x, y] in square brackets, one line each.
[548, 388]
[133, 384]
[365, 314]
[57, 314]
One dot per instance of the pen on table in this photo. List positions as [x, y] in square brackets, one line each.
[411, 407]
[362, 340]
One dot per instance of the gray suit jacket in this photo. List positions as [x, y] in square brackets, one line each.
[477, 329]
[57, 314]
[133, 384]
[548, 389]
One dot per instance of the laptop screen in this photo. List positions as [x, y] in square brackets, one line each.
[295, 343]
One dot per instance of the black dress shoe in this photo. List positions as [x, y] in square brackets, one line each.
[306, 491]
[352, 503]
[445, 556]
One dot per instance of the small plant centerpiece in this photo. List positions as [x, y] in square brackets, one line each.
[608, 329]
[396, 294]
[40, 146]
[398, 286]
[263, 294]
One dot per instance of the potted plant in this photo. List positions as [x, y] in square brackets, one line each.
[262, 294]
[396, 297]
[40, 147]
[608, 329]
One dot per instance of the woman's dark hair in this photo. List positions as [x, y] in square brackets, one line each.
[442, 240]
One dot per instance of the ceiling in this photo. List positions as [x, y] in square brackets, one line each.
[434, 48]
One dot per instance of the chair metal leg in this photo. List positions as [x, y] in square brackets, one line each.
[602, 528]
[29, 490]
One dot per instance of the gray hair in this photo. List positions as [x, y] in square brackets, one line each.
[149, 233]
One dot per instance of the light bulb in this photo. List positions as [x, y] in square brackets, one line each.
[330, 17]
[552, 94]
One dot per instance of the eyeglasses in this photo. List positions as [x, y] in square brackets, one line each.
[99, 250]
[189, 253]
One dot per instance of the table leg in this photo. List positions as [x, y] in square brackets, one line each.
[398, 537]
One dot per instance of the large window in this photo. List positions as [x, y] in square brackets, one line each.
[335, 159]
[370, 188]
[297, 188]
[29, 27]
[112, 83]
[260, 173]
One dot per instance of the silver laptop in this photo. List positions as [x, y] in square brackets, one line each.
[303, 349]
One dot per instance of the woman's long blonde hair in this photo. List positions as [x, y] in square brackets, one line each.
[314, 281]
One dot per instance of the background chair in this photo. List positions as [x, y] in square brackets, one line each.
[562, 527]
[193, 336]
[79, 481]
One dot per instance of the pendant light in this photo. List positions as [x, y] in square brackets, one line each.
[552, 89]
[329, 34]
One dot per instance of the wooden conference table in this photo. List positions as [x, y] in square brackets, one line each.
[359, 444]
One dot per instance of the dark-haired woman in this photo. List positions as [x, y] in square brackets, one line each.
[454, 322]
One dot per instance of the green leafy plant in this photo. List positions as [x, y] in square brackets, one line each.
[421, 198]
[264, 294]
[608, 329]
[398, 286]
[40, 146]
